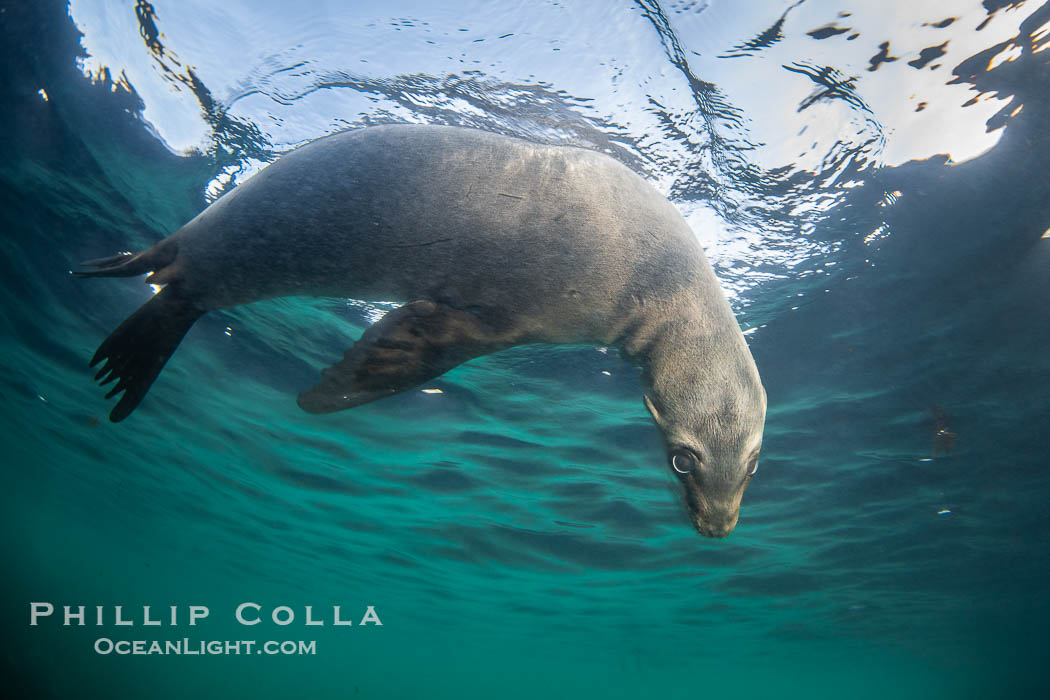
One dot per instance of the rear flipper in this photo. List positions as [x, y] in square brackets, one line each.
[407, 347]
[137, 350]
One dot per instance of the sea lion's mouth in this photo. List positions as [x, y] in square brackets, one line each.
[714, 514]
[715, 532]
[717, 528]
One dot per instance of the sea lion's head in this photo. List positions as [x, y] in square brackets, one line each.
[711, 420]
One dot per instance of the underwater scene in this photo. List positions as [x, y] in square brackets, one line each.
[868, 181]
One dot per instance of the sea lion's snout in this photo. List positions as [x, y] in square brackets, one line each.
[718, 528]
[712, 516]
[712, 495]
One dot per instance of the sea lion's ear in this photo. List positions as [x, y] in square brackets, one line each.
[652, 410]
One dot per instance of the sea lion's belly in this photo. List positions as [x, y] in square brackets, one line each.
[471, 219]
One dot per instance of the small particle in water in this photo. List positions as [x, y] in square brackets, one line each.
[607, 373]
[41, 398]
[926, 459]
[43, 94]
[944, 511]
[944, 438]
[433, 391]
[229, 331]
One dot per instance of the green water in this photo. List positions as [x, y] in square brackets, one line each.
[518, 533]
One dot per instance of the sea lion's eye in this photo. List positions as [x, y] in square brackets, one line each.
[683, 462]
[752, 466]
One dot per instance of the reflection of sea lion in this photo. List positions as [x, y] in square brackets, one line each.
[493, 242]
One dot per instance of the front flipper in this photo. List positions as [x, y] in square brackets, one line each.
[407, 347]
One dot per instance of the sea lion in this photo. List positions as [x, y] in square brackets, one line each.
[492, 242]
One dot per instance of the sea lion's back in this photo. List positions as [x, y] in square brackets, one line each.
[405, 211]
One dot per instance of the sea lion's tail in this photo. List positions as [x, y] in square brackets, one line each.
[137, 350]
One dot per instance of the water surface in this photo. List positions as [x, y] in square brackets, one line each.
[870, 185]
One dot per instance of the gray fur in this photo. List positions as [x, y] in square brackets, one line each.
[504, 242]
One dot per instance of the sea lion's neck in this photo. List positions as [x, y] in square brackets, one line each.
[689, 344]
[689, 323]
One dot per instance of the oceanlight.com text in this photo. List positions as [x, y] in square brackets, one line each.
[189, 647]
